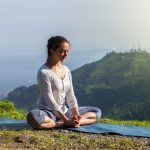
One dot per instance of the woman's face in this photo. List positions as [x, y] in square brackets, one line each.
[62, 53]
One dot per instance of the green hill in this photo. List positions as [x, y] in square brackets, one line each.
[24, 97]
[118, 83]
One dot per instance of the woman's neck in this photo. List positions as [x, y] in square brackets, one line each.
[53, 63]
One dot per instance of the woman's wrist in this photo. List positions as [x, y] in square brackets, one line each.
[75, 111]
[63, 117]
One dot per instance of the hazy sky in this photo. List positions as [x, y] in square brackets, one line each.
[25, 25]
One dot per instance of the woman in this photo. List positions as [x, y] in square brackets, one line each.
[55, 86]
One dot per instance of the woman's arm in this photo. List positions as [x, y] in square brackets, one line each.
[75, 111]
[71, 98]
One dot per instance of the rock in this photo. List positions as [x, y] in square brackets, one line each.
[64, 131]
[22, 139]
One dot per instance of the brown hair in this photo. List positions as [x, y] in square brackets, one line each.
[55, 43]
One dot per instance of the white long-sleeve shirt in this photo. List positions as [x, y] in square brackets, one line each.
[54, 92]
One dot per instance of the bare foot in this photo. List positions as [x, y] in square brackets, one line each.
[71, 123]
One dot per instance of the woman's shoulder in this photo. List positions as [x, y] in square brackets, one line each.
[43, 70]
[67, 68]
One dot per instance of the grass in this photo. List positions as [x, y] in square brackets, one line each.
[144, 123]
[8, 110]
[56, 139]
[64, 139]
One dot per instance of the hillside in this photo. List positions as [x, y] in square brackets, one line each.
[118, 83]
[24, 97]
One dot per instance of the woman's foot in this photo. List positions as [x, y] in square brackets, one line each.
[88, 118]
[49, 123]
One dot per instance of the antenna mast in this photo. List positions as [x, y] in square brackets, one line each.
[139, 48]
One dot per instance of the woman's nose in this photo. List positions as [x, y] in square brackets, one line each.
[66, 54]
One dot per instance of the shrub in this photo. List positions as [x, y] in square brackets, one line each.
[7, 109]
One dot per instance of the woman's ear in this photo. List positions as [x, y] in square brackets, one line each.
[52, 51]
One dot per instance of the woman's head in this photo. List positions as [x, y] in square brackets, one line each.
[58, 47]
[55, 43]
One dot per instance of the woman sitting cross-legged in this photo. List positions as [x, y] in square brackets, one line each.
[55, 86]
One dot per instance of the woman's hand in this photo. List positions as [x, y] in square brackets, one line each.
[77, 117]
[73, 122]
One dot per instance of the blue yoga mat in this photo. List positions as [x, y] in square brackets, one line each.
[13, 124]
[111, 128]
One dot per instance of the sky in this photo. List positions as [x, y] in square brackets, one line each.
[101, 25]
[26, 25]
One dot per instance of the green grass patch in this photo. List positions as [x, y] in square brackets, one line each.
[8, 110]
[56, 139]
[144, 123]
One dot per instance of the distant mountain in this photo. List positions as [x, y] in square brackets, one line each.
[24, 97]
[119, 84]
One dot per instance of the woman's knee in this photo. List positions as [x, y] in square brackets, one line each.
[93, 109]
[98, 113]
[34, 119]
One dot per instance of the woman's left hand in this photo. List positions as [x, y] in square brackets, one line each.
[77, 118]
